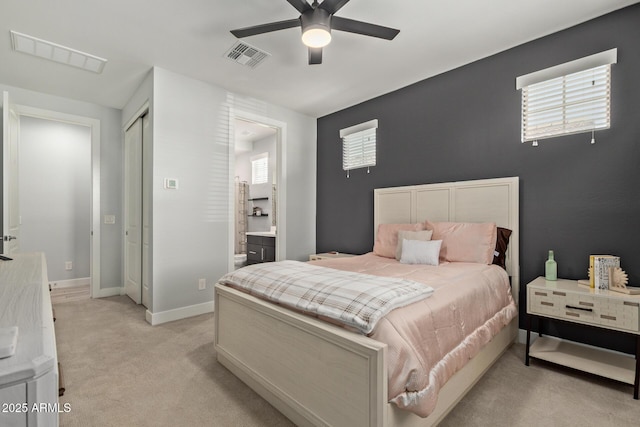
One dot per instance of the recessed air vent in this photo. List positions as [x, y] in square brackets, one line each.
[245, 54]
[55, 52]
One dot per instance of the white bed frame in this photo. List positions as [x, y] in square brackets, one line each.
[319, 374]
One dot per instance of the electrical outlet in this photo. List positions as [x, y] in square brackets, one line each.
[68, 265]
[202, 284]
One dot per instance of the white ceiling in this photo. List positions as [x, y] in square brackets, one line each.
[246, 133]
[190, 37]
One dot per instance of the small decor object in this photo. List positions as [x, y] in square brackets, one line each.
[601, 266]
[618, 278]
[551, 268]
[257, 211]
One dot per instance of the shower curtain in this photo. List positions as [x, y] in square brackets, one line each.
[242, 196]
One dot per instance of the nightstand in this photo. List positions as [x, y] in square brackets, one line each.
[567, 301]
[329, 255]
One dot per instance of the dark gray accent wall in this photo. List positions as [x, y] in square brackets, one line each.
[575, 198]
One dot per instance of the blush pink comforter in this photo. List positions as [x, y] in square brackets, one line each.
[430, 340]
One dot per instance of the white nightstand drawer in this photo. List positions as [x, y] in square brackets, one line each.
[562, 305]
[566, 300]
[619, 314]
[544, 302]
[580, 307]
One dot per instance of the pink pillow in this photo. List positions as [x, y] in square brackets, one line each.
[465, 241]
[387, 238]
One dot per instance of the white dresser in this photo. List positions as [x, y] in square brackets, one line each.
[29, 378]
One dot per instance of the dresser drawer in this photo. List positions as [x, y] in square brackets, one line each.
[619, 314]
[562, 305]
[583, 307]
[544, 302]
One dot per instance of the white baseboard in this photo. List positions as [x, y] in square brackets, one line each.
[179, 313]
[70, 283]
[109, 292]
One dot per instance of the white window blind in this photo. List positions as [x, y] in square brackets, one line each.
[359, 146]
[568, 103]
[260, 169]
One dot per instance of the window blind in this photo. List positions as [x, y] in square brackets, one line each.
[359, 146]
[260, 169]
[556, 104]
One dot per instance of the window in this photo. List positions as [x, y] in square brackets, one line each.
[260, 169]
[569, 98]
[359, 146]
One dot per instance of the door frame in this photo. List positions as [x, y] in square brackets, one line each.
[281, 183]
[94, 126]
[8, 148]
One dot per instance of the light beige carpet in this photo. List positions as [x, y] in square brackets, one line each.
[120, 371]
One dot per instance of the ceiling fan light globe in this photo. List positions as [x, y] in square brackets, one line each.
[316, 37]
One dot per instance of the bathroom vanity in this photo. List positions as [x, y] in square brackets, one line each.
[261, 247]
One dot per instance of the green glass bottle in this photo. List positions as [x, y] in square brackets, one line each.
[551, 268]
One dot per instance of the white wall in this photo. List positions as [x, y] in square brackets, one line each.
[192, 225]
[55, 195]
[111, 143]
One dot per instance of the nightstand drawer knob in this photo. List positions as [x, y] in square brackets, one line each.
[563, 294]
[550, 304]
[578, 308]
[543, 294]
[604, 316]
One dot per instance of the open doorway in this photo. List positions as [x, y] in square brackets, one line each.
[58, 194]
[258, 194]
[55, 200]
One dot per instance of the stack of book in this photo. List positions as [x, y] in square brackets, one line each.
[600, 267]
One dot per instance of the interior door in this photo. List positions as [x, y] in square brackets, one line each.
[133, 211]
[10, 207]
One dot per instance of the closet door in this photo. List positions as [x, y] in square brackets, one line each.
[133, 211]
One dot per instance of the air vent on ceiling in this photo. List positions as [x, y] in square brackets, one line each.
[55, 52]
[245, 54]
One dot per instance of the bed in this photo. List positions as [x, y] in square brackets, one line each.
[317, 373]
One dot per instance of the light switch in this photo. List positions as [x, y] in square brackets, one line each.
[109, 219]
[170, 184]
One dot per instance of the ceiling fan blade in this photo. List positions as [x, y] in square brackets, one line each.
[364, 28]
[265, 28]
[315, 55]
[300, 5]
[332, 6]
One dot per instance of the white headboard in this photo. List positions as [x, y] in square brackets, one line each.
[486, 200]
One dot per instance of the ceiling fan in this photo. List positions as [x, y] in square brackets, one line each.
[317, 20]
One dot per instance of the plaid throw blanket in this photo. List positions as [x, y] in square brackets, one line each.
[354, 299]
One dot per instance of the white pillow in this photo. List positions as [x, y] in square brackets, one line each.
[420, 252]
[411, 235]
